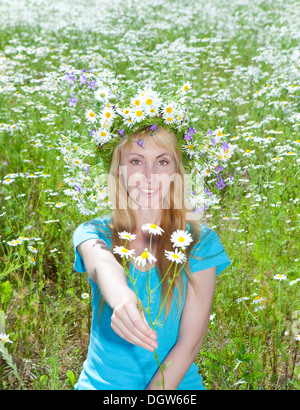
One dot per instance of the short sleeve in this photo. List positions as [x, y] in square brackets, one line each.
[211, 251]
[85, 231]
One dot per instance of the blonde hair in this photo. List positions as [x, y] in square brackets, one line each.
[173, 217]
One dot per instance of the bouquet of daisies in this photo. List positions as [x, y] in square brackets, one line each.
[181, 239]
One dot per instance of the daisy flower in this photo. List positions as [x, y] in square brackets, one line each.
[186, 87]
[31, 260]
[144, 257]
[136, 101]
[32, 249]
[126, 235]
[107, 115]
[125, 112]
[90, 116]
[5, 338]
[176, 256]
[257, 299]
[217, 134]
[294, 281]
[152, 228]
[85, 295]
[150, 98]
[280, 277]
[102, 94]
[122, 251]
[297, 337]
[153, 111]
[181, 239]
[101, 136]
[169, 112]
[137, 114]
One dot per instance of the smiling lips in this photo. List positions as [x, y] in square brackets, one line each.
[148, 192]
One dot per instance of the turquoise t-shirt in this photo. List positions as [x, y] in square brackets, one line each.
[112, 363]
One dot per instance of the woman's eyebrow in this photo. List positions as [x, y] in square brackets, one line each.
[156, 157]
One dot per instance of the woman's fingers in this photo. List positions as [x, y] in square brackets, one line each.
[123, 331]
[128, 322]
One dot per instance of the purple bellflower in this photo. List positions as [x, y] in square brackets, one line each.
[72, 101]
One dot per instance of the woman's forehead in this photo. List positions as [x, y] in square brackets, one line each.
[144, 147]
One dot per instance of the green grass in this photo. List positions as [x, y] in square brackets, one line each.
[258, 219]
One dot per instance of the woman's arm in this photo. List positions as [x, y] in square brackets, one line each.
[104, 270]
[193, 327]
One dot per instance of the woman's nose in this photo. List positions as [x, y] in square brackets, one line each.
[150, 176]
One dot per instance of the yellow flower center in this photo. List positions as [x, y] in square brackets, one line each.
[181, 239]
[124, 250]
[137, 102]
[175, 256]
[169, 110]
[149, 101]
[153, 226]
[139, 113]
[152, 110]
[185, 88]
[126, 112]
[103, 133]
[108, 115]
[102, 95]
[169, 119]
[145, 255]
[92, 114]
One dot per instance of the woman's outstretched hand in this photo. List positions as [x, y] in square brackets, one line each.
[129, 323]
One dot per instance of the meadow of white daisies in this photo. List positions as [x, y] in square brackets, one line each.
[242, 59]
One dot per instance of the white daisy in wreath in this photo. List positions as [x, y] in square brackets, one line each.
[150, 98]
[176, 256]
[152, 228]
[107, 115]
[181, 239]
[137, 114]
[169, 109]
[146, 256]
[101, 136]
[122, 251]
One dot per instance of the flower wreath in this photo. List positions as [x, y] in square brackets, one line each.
[113, 108]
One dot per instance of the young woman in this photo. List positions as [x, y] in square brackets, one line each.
[122, 342]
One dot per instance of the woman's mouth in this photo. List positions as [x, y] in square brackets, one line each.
[148, 192]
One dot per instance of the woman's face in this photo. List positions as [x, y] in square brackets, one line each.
[147, 171]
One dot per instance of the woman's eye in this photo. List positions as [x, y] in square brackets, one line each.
[137, 160]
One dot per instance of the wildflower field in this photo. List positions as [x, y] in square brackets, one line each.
[242, 59]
